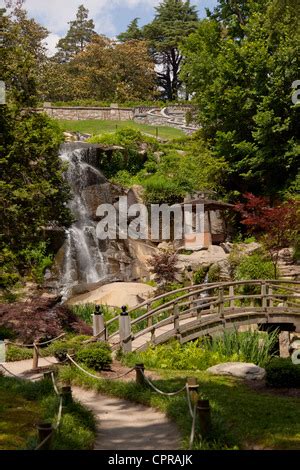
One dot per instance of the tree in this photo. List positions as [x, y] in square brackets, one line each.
[243, 89]
[133, 32]
[33, 194]
[277, 227]
[163, 265]
[80, 33]
[174, 20]
[22, 54]
[106, 70]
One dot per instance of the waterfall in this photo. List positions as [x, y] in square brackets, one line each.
[83, 261]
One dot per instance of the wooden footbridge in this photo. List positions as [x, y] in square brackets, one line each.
[206, 309]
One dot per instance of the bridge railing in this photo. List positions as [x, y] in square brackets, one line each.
[205, 302]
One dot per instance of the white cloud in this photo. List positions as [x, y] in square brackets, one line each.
[51, 42]
[55, 14]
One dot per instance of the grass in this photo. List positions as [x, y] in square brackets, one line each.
[97, 127]
[242, 418]
[23, 404]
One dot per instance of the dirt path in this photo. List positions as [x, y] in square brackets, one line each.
[121, 424]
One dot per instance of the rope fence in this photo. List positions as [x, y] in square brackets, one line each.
[190, 387]
[50, 430]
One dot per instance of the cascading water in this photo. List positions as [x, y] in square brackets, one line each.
[83, 260]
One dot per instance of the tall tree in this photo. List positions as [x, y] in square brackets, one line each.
[133, 32]
[80, 33]
[22, 54]
[33, 193]
[174, 20]
[243, 86]
[106, 70]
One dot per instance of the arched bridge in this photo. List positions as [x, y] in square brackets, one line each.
[199, 310]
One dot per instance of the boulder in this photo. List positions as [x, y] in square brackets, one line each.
[242, 370]
[116, 294]
[214, 254]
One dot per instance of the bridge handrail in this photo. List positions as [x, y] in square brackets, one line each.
[205, 287]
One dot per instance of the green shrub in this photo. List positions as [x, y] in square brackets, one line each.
[160, 189]
[282, 373]
[255, 266]
[60, 348]
[16, 353]
[95, 356]
[6, 333]
[214, 273]
[249, 346]
[199, 275]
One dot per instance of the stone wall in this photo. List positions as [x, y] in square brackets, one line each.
[84, 113]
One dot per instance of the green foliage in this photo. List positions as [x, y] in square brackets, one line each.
[214, 273]
[33, 193]
[16, 353]
[174, 20]
[241, 64]
[199, 275]
[249, 346]
[31, 402]
[96, 356]
[60, 348]
[159, 190]
[37, 260]
[205, 352]
[255, 266]
[80, 33]
[282, 373]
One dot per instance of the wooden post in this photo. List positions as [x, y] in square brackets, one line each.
[193, 389]
[231, 294]
[99, 323]
[35, 362]
[44, 430]
[125, 331]
[66, 394]
[153, 336]
[6, 346]
[176, 317]
[139, 369]
[271, 301]
[204, 416]
[221, 303]
[263, 295]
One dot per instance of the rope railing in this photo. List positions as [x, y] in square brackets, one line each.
[54, 427]
[97, 376]
[33, 345]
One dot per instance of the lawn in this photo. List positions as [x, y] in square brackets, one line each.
[242, 417]
[97, 127]
[23, 404]
[18, 416]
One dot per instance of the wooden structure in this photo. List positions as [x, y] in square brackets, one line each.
[206, 236]
[204, 310]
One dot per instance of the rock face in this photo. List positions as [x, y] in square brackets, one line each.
[242, 370]
[116, 294]
[83, 260]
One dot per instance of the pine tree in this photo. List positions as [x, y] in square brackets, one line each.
[80, 33]
[132, 33]
[174, 20]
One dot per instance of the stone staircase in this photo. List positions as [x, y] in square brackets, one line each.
[287, 267]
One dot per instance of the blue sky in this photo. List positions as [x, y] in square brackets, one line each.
[111, 16]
